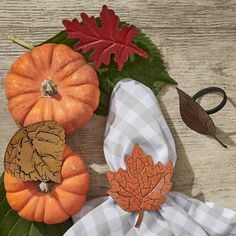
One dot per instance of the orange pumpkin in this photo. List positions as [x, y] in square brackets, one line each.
[50, 202]
[53, 82]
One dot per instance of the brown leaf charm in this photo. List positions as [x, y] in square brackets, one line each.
[142, 186]
[35, 152]
[195, 117]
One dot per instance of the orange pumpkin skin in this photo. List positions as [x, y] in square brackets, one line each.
[64, 200]
[53, 82]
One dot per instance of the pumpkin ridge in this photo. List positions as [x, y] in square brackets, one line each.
[69, 62]
[23, 190]
[62, 108]
[76, 85]
[93, 82]
[61, 68]
[27, 206]
[9, 180]
[17, 95]
[58, 202]
[53, 116]
[72, 119]
[28, 113]
[38, 207]
[51, 218]
[84, 172]
[68, 75]
[24, 77]
[71, 124]
[20, 82]
[33, 60]
[35, 67]
[51, 55]
[69, 190]
[78, 100]
[48, 103]
[17, 73]
[26, 187]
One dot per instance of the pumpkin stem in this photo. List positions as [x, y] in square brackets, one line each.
[49, 88]
[44, 187]
[21, 42]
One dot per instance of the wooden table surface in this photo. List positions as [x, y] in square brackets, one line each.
[198, 42]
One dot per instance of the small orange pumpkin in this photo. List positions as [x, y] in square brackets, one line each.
[51, 203]
[53, 82]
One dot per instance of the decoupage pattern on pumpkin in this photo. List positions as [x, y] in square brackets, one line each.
[53, 82]
[36, 152]
[49, 202]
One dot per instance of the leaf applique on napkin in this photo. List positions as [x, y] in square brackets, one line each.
[143, 185]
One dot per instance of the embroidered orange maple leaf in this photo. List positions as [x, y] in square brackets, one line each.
[143, 185]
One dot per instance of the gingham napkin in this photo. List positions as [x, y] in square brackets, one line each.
[135, 117]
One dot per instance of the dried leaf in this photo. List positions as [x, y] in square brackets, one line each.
[35, 152]
[105, 40]
[143, 185]
[195, 117]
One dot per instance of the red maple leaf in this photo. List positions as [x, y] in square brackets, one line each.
[105, 40]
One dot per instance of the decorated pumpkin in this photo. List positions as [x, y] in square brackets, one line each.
[50, 202]
[53, 82]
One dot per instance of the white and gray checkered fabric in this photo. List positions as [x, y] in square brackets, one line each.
[135, 117]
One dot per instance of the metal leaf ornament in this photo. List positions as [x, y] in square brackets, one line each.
[195, 117]
[105, 40]
[35, 152]
[143, 185]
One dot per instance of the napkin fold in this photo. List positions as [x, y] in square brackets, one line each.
[136, 118]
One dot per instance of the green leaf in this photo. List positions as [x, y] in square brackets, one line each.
[11, 224]
[61, 38]
[106, 86]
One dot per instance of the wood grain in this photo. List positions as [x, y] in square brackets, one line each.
[198, 42]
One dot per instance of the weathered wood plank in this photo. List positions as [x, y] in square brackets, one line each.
[198, 42]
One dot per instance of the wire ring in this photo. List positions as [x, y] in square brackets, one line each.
[208, 90]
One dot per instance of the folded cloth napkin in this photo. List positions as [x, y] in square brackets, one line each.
[135, 118]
